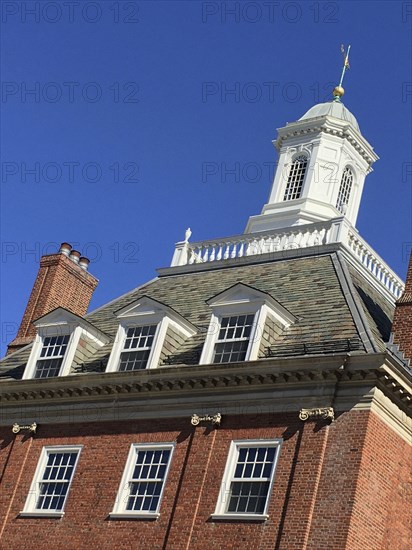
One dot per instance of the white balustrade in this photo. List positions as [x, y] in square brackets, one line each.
[316, 234]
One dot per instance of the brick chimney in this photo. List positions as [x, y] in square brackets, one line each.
[402, 319]
[62, 281]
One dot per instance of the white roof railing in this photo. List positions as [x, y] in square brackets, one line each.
[337, 230]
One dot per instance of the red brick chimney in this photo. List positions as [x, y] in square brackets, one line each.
[62, 281]
[402, 319]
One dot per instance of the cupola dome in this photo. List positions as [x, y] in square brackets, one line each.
[335, 109]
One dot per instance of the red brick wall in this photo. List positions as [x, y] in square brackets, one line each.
[322, 498]
[59, 283]
[382, 517]
[402, 319]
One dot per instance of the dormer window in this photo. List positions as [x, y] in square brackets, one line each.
[345, 190]
[296, 178]
[233, 340]
[147, 332]
[236, 330]
[63, 340]
[51, 356]
[137, 347]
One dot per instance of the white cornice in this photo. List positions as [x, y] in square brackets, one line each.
[329, 125]
[344, 381]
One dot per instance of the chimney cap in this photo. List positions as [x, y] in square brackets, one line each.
[84, 262]
[75, 256]
[65, 249]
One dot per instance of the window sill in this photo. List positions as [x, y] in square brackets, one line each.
[40, 514]
[240, 517]
[135, 515]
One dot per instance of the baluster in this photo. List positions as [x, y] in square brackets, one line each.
[191, 254]
[241, 249]
[220, 252]
[365, 257]
[226, 254]
[233, 253]
[384, 278]
[379, 272]
[206, 254]
[251, 249]
[212, 253]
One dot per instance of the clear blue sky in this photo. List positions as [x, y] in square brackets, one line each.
[131, 99]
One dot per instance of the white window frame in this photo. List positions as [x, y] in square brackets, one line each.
[145, 312]
[212, 338]
[234, 340]
[42, 334]
[340, 205]
[228, 477]
[242, 300]
[61, 322]
[30, 505]
[119, 509]
[290, 187]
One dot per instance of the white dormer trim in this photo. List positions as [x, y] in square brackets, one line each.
[242, 299]
[61, 322]
[142, 312]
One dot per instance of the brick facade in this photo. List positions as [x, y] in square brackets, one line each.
[402, 320]
[345, 485]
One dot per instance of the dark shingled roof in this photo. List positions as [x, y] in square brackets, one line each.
[309, 287]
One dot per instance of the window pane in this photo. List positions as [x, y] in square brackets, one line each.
[250, 484]
[344, 190]
[230, 352]
[47, 368]
[133, 360]
[137, 346]
[55, 480]
[147, 482]
[296, 177]
[51, 356]
[248, 497]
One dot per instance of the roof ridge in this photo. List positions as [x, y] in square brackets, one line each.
[353, 301]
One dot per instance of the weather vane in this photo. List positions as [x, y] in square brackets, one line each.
[339, 91]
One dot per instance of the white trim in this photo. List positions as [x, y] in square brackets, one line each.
[243, 517]
[146, 515]
[214, 328]
[231, 463]
[61, 322]
[119, 508]
[40, 514]
[31, 365]
[146, 312]
[30, 505]
[241, 299]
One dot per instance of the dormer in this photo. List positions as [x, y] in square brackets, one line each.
[242, 317]
[148, 332]
[63, 339]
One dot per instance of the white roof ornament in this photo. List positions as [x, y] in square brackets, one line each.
[188, 234]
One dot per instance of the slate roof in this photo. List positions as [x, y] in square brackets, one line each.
[312, 288]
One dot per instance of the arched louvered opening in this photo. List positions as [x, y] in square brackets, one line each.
[296, 177]
[344, 190]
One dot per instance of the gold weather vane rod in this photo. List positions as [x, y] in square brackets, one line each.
[339, 91]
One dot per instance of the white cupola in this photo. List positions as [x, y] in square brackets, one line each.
[323, 162]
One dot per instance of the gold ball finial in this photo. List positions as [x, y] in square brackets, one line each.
[338, 91]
